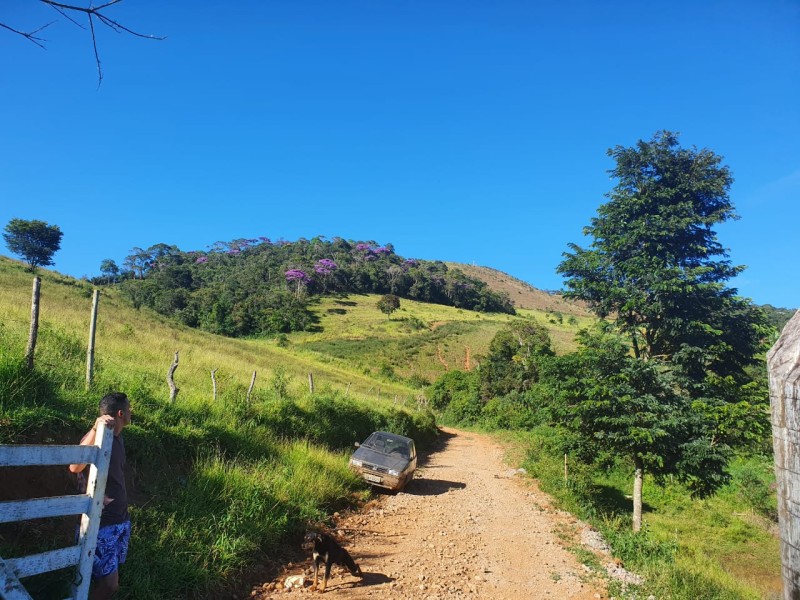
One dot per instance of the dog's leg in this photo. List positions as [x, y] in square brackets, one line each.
[315, 565]
[327, 574]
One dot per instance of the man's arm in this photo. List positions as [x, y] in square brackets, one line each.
[88, 439]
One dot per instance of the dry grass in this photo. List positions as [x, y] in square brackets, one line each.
[522, 294]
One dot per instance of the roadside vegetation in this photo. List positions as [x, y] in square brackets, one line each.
[716, 545]
[655, 428]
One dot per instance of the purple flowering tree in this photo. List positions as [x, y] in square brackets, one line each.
[363, 252]
[325, 268]
[297, 278]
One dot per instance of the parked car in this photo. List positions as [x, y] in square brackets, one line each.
[385, 460]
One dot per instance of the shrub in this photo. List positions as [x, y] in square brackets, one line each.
[751, 484]
[465, 408]
[443, 390]
[509, 412]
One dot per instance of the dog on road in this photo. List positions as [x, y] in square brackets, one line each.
[325, 550]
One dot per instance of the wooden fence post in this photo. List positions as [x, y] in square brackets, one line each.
[347, 391]
[214, 383]
[250, 389]
[173, 389]
[34, 331]
[92, 331]
[783, 361]
[311, 383]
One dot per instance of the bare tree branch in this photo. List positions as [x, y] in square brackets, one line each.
[91, 12]
[30, 35]
[96, 55]
[96, 12]
[64, 14]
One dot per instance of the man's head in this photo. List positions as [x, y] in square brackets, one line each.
[117, 405]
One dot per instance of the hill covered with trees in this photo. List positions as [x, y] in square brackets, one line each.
[258, 287]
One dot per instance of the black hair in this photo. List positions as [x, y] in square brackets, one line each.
[113, 402]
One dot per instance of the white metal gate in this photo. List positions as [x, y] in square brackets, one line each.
[90, 505]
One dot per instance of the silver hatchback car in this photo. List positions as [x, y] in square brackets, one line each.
[385, 460]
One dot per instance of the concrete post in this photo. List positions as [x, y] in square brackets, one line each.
[783, 361]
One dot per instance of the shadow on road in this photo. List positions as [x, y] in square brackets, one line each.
[367, 579]
[374, 579]
[442, 440]
[432, 487]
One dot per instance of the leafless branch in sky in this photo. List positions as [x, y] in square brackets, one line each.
[92, 13]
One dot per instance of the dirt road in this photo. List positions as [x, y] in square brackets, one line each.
[467, 527]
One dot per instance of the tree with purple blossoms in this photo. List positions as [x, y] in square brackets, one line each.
[297, 279]
[325, 268]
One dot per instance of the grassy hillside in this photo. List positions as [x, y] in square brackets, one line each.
[138, 346]
[218, 486]
[420, 341]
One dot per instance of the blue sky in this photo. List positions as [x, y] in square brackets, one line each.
[457, 130]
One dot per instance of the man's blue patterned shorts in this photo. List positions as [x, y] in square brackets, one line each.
[112, 548]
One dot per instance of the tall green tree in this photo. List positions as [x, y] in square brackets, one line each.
[656, 269]
[655, 265]
[35, 241]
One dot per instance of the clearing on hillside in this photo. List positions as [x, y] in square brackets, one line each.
[522, 294]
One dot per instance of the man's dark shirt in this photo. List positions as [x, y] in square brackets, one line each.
[117, 511]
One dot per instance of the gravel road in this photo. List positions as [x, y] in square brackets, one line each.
[468, 526]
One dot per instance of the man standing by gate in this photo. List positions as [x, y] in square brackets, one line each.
[115, 525]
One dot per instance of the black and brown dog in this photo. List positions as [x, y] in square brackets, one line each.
[325, 550]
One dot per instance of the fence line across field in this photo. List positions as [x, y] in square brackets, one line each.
[89, 505]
